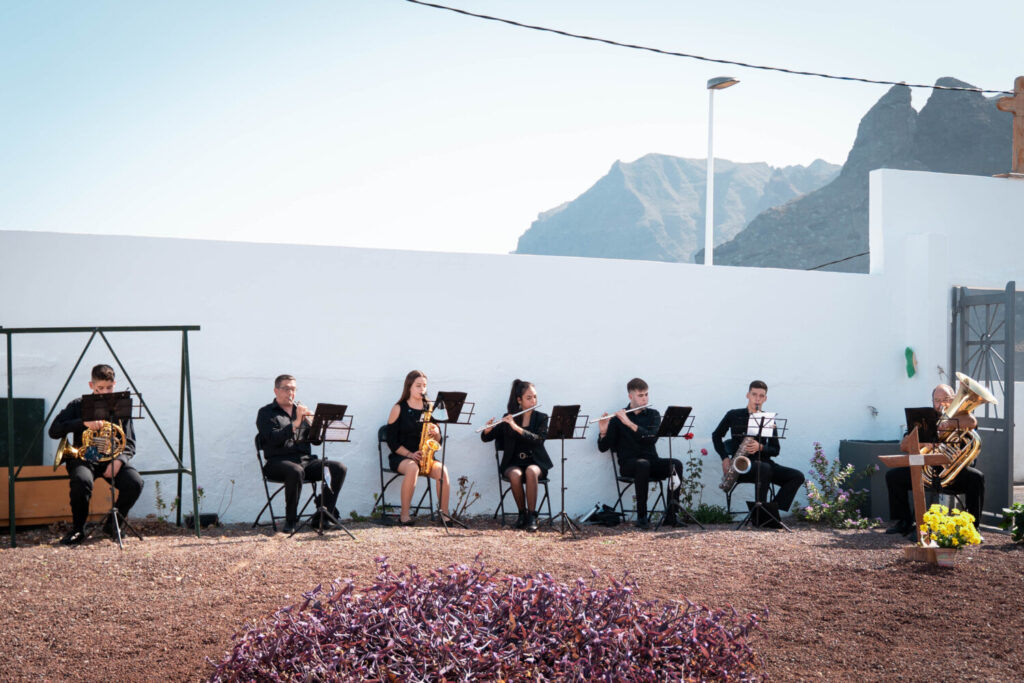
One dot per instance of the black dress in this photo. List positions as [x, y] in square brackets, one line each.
[405, 431]
[522, 450]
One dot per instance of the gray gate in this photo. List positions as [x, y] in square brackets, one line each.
[982, 346]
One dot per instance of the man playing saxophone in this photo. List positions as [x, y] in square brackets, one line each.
[970, 481]
[763, 471]
[82, 472]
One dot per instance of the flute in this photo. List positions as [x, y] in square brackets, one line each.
[495, 424]
[608, 417]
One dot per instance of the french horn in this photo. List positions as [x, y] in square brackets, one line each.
[101, 445]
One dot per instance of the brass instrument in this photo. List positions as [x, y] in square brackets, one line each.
[428, 446]
[961, 446]
[100, 445]
[740, 465]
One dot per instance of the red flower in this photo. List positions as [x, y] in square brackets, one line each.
[688, 436]
[703, 451]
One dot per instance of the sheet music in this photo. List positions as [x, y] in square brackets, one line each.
[761, 424]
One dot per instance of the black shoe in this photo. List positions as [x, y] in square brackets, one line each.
[642, 523]
[108, 529]
[901, 527]
[409, 522]
[522, 520]
[531, 524]
[289, 527]
[672, 520]
[75, 537]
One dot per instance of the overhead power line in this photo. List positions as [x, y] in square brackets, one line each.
[685, 55]
[831, 263]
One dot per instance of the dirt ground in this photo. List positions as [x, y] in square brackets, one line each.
[843, 605]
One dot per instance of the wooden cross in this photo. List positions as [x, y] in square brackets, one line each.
[1015, 105]
[915, 461]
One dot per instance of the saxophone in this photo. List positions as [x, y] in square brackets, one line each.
[740, 465]
[428, 446]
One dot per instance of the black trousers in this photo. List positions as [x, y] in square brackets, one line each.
[82, 474]
[644, 471]
[293, 474]
[970, 482]
[765, 472]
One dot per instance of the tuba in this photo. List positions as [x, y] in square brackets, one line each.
[100, 445]
[740, 465]
[428, 446]
[961, 446]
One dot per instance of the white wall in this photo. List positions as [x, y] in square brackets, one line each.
[349, 323]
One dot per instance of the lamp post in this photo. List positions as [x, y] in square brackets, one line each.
[719, 83]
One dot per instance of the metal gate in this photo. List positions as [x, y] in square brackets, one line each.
[982, 345]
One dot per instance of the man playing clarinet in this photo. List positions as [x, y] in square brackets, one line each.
[763, 470]
[631, 433]
[283, 425]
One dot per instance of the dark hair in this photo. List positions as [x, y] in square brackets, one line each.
[757, 384]
[519, 388]
[409, 379]
[636, 384]
[102, 373]
[280, 379]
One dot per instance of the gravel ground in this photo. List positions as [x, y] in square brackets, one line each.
[843, 605]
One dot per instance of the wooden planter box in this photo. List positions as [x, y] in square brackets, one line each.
[43, 502]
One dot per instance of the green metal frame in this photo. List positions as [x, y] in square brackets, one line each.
[184, 410]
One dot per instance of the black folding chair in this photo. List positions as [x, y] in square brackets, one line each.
[390, 509]
[623, 484]
[268, 506]
[504, 490]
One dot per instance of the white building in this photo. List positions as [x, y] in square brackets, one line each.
[349, 324]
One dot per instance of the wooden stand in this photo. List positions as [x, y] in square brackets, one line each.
[44, 502]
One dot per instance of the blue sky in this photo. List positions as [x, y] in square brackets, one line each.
[380, 123]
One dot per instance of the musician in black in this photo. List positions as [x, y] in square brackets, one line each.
[631, 436]
[970, 481]
[283, 426]
[404, 429]
[763, 470]
[524, 458]
[82, 473]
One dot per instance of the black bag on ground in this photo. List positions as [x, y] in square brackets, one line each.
[605, 516]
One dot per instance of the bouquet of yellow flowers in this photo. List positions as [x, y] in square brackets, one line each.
[951, 530]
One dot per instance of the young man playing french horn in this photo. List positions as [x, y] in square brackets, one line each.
[82, 472]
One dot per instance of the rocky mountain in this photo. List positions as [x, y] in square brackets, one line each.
[955, 132]
[791, 217]
[653, 208]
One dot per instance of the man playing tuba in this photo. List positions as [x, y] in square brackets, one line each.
[970, 481]
[82, 472]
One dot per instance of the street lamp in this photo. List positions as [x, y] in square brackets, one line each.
[719, 83]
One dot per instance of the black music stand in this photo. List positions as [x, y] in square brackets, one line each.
[329, 425]
[112, 407]
[759, 514]
[672, 422]
[562, 425]
[449, 407]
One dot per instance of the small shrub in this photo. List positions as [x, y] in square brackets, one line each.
[829, 501]
[711, 514]
[463, 623]
[1013, 519]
